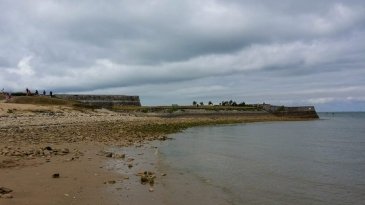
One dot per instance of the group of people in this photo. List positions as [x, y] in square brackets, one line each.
[8, 95]
[29, 93]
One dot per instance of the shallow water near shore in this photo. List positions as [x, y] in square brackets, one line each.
[303, 162]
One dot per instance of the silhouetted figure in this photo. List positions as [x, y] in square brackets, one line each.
[28, 91]
[50, 93]
[36, 92]
[7, 96]
[44, 92]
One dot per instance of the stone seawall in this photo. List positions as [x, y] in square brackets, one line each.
[297, 112]
[103, 100]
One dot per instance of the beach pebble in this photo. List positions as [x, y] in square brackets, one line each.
[71, 159]
[110, 182]
[65, 151]
[108, 154]
[48, 148]
[119, 156]
[47, 152]
[130, 159]
[56, 175]
[163, 138]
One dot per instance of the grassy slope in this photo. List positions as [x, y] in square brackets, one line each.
[40, 100]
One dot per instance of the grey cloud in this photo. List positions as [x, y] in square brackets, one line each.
[208, 46]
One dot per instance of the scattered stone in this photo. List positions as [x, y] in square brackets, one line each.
[144, 179]
[6, 196]
[126, 177]
[48, 148]
[65, 151]
[78, 153]
[47, 152]
[148, 177]
[151, 189]
[56, 175]
[4, 190]
[130, 160]
[130, 165]
[163, 174]
[162, 138]
[35, 152]
[71, 159]
[110, 182]
[118, 156]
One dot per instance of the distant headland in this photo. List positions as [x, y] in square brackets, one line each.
[129, 104]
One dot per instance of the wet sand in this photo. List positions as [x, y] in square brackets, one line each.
[99, 155]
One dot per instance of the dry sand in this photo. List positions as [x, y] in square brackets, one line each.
[99, 155]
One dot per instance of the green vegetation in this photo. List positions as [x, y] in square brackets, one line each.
[41, 100]
[223, 103]
[281, 109]
[133, 109]
[169, 127]
[19, 94]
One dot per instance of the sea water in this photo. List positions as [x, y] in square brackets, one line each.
[298, 162]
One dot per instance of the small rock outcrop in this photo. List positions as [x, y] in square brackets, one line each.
[5, 193]
[56, 175]
[147, 177]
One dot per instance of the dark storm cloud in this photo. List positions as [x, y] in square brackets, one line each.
[214, 48]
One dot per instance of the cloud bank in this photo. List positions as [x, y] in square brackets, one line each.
[281, 52]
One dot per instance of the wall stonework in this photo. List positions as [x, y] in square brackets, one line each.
[302, 111]
[103, 100]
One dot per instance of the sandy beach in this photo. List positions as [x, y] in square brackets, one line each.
[62, 155]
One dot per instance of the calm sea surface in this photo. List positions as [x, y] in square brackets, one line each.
[308, 162]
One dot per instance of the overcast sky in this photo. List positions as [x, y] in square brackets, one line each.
[175, 51]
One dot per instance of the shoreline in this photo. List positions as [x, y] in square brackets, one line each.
[39, 141]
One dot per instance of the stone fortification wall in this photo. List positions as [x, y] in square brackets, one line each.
[302, 111]
[103, 100]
